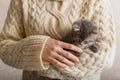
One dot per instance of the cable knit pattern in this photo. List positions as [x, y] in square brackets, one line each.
[16, 49]
[31, 22]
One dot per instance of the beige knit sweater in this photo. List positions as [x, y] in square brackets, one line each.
[30, 23]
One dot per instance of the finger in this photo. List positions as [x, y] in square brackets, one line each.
[57, 63]
[68, 55]
[71, 47]
[74, 53]
[63, 59]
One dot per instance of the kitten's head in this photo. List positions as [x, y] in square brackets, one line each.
[75, 33]
[81, 29]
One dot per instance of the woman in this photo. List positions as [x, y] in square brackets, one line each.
[30, 39]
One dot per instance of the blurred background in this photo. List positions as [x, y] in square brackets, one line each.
[9, 73]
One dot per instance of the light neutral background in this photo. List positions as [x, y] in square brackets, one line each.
[9, 73]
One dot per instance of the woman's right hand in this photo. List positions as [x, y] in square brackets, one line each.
[54, 53]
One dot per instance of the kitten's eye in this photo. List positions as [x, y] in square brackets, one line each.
[85, 42]
[73, 35]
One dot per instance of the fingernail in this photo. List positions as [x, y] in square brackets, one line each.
[65, 66]
[81, 50]
[72, 64]
[77, 60]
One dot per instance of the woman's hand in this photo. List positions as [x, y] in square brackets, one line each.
[54, 53]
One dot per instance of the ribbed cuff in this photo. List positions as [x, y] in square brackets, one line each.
[32, 49]
[44, 64]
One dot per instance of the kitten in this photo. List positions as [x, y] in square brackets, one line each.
[84, 33]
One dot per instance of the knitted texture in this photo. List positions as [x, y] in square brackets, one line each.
[30, 23]
[16, 49]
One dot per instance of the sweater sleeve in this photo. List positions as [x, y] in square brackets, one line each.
[16, 49]
[94, 63]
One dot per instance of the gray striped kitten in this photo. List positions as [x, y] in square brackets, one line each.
[84, 33]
